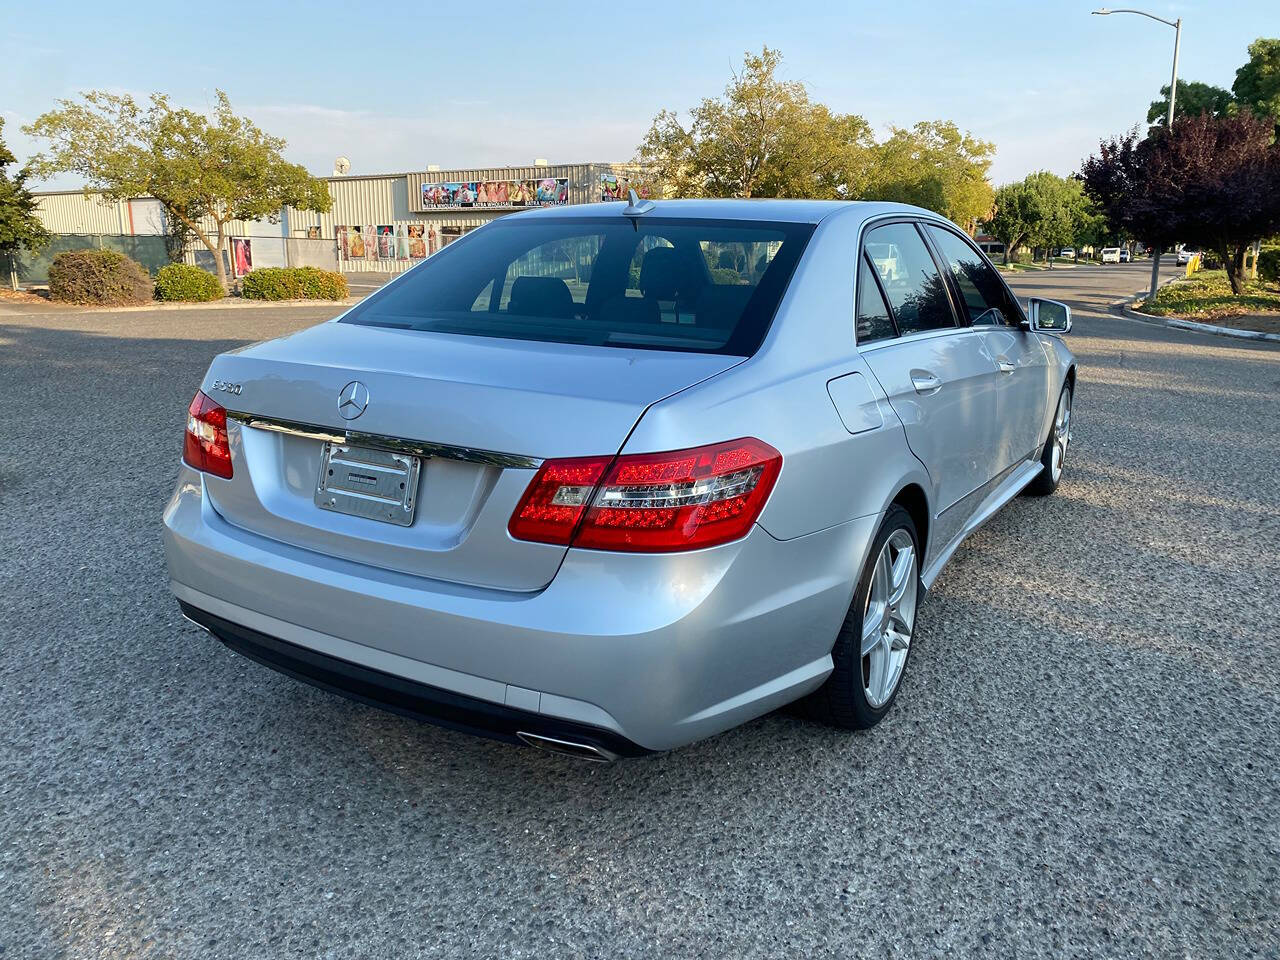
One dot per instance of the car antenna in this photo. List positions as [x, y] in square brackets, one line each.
[635, 206]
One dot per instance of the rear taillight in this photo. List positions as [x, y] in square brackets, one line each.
[206, 447]
[649, 502]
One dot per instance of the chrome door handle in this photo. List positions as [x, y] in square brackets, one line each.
[1005, 365]
[925, 382]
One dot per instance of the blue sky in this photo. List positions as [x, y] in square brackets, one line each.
[398, 86]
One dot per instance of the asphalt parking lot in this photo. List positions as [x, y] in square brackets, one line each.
[1083, 761]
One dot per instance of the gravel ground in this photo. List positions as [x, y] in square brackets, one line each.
[1083, 761]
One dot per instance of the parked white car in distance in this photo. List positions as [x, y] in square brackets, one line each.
[1124, 255]
[1067, 253]
[1110, 254]
[1185, 255]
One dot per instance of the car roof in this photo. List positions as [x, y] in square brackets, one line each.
[758, 209]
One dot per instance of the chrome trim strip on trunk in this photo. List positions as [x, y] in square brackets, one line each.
[417, 448]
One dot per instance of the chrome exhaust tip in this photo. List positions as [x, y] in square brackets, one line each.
[567, 748]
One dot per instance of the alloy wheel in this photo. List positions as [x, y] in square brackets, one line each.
[889, 617]
[1061, 434]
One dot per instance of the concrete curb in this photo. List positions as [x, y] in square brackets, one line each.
[1177, 324]
[227, 303]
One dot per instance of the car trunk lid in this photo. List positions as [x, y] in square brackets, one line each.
[481, 413]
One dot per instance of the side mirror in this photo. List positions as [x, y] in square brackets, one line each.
[1049, 316]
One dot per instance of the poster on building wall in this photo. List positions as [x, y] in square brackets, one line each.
[518, 193]
[241, 256]
[494, 193]
[356, 242]
[552, 191]
[453, 194]
[402, 243]
[549, 191]
[370, 242]
[386, 242]
[417, 241]
[313, 233]
[340, 236]
[614, 187]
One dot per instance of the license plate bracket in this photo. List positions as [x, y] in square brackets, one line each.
[368, 482]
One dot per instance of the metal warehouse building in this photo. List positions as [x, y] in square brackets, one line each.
[381, 223]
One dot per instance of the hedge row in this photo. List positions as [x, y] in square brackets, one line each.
[112, 279]
[293, 283]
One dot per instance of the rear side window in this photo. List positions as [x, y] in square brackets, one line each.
[874, 322]
[986, 299]
[708, 286]
[916, 291]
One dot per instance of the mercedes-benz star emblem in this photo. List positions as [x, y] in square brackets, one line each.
[352, 399]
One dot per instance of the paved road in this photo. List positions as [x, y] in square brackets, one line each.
[1083, 761]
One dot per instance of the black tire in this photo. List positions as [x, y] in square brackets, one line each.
[1045, 482]
[841, 701]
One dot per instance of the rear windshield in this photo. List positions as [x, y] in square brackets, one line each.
[708, 286]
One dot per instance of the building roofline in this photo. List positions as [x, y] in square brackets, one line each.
[443, 174]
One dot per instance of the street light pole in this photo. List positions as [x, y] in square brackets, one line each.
[1173, 92]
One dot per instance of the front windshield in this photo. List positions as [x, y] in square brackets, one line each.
[708, 286]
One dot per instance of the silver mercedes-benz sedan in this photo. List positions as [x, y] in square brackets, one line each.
[609, 479]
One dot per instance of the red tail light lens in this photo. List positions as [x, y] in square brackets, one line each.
[650, 502]
[206, 447]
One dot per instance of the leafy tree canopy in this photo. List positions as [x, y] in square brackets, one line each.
[1211, 181]
[1256, 88]
[1257, 84]
[19, 226]
[221, 167]
[1194, 98]
[765, 137]
[935, 165]
[1044, 210]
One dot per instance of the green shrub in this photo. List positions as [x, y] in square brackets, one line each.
[99, 276]
[1269, 264]
[293, 283]
[182, 281]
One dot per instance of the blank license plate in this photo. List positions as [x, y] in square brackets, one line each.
[370, 483]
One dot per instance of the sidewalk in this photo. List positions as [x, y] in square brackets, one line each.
[9, 308]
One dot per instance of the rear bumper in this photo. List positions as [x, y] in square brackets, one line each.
[418, 700]
[657, 650]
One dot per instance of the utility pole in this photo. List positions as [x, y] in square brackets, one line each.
[1173, 91]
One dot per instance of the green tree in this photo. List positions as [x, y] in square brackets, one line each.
[936, 165]
[1194, 98]
[763, 137]
[1051, 209]
[1011, 221]
[19, 226]
[220, 168]
[1214, 181]
[1257, 84]
[1045, 210]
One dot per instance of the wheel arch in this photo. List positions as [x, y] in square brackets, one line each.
[912, 498]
